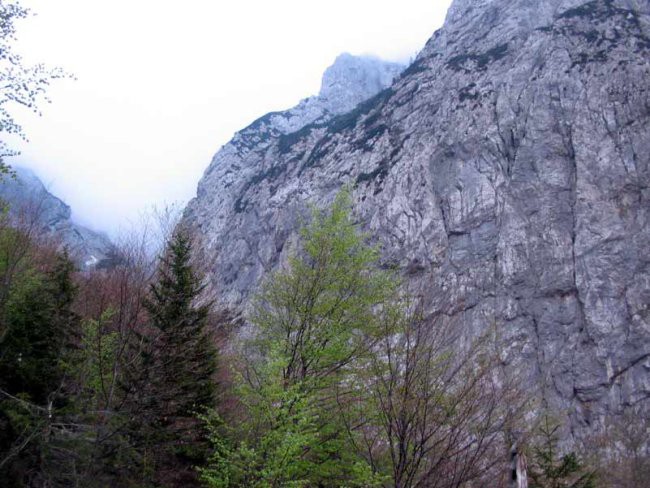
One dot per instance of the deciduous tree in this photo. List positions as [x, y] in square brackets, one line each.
[314, 320]
[20, 84]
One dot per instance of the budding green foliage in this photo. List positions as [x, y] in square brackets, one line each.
[314, 320]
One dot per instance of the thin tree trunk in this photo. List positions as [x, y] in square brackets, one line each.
[519, 474]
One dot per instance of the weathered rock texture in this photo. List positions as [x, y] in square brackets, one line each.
[48, 217]
[506, 171]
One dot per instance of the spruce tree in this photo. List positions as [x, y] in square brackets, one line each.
[178, 364]
[42, 329]
[550, 469]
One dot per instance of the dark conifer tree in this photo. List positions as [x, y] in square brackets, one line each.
[550, 469]
[184, 355]
[179, 360]
[42, 330]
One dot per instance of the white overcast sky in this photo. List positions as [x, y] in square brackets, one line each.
[161, 85]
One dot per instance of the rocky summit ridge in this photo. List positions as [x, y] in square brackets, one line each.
[506, 171]
[349, 81]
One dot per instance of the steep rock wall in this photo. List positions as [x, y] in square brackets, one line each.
[506, 171]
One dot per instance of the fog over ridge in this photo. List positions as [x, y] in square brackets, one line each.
[159, 89]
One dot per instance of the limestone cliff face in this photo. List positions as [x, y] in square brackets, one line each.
[245, 162]
[506, 171]
[49, 217]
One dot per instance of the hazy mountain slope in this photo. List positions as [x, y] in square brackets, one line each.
[31, 203]
[506, 171]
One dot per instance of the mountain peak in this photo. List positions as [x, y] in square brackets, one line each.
[353, 79]
[349, 81]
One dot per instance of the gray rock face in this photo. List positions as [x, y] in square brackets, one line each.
[31, 204]
[353, 79]
[506, 171]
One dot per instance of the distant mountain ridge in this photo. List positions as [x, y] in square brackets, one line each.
[30, 202]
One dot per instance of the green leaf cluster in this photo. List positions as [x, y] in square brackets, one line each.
[314, 321]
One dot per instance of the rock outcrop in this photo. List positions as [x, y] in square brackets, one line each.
[506, 171]
[48, 217]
